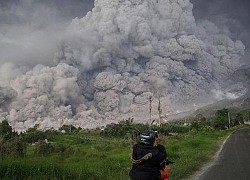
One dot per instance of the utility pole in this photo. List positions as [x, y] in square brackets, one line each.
[160, 111]
[150, 109]
[229, 120]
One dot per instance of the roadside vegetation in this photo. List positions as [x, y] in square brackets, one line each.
[75, 153]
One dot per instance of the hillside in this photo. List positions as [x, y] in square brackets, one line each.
[240, 103]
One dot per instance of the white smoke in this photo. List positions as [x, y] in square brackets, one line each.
[116, 57]
[232, 92]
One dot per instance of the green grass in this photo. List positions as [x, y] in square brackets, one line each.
[110, 158]
[191, 150]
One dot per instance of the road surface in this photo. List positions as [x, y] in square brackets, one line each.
[233, 162]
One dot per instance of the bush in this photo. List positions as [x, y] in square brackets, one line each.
[80, 140]
[15, 147]
[206, 129]
[33, 135]
[119, 130]
[44, 149]
[195, 125]
[127, 128]
[198, 122]
[174, 128]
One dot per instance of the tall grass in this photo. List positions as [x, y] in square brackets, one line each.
[190, 151]
[111, 159]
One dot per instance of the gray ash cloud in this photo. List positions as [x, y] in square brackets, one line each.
[230, 14]
[103, 66]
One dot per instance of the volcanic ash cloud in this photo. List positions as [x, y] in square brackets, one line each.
[115, 58]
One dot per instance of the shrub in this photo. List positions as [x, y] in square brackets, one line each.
[44, 149]
[206, 129]
[33, 135]
[80, 140]
[15, 147]
[195, 125]
[198, 122]
[174, 128]
[119, 130]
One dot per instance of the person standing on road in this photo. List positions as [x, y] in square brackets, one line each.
[148, 159]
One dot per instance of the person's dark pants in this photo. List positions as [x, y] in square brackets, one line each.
[141, 175]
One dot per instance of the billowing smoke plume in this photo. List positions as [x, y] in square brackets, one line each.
[233, 16]
[31, 29]
[114, 59]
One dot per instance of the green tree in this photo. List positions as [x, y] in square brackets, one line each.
[238, 119]
[119, 130]
[221, 119]
[32, 135]
[6, 130]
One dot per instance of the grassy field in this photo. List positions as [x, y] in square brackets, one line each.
[92, 157]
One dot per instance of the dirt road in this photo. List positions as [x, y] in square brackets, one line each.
[233, 162]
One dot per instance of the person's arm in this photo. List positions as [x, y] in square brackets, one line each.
[160, 147]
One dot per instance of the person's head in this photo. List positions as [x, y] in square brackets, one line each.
[148, 137]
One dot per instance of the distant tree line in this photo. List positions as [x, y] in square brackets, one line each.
[222, 119]
[15, 145]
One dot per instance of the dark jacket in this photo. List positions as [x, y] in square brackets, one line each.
[147, 168]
